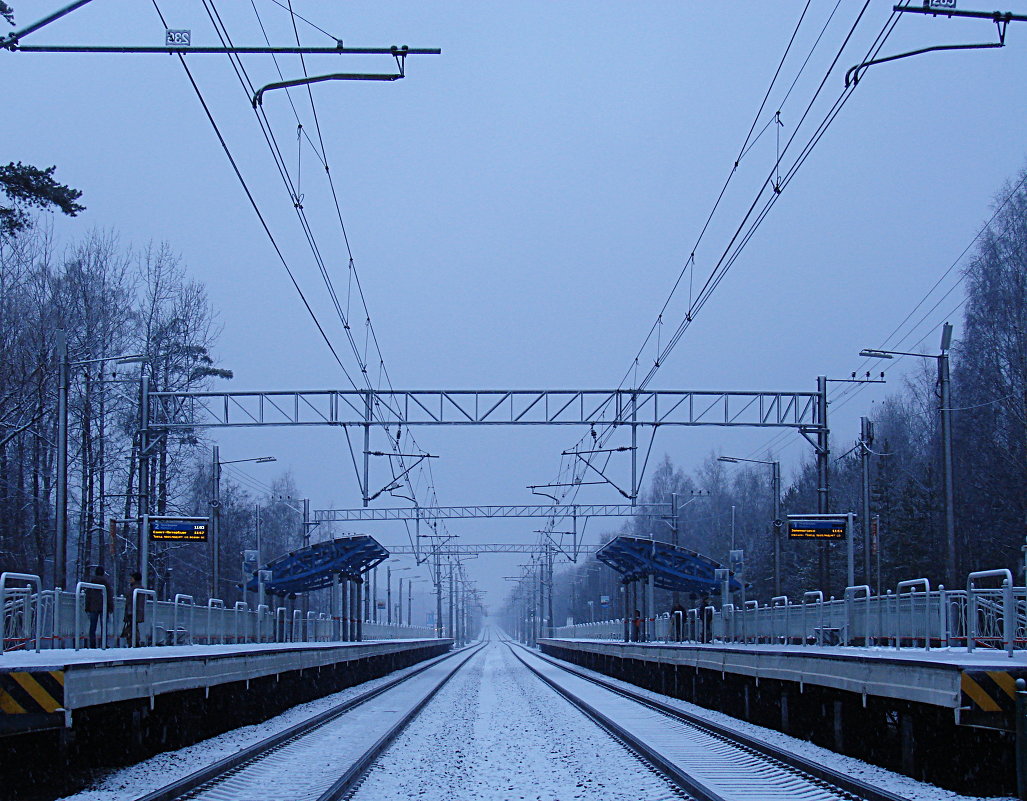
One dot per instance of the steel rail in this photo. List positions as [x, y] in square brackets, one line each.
[181, 788]
[359, 768]
[793, 762]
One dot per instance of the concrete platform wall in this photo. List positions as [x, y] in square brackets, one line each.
[126, 712]
[908, 736]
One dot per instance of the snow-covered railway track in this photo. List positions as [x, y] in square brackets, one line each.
[320, 759]
[708, 761]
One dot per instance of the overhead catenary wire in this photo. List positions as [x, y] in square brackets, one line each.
[321, 153]
[847, 393]
[743, 234]
[284, 173]
[254, 205]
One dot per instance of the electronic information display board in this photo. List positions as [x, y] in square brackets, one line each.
[179, 530]
[816, 529]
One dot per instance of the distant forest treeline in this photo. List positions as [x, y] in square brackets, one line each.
[989, 402]
[113, 301]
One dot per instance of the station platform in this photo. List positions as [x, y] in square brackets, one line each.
[899, 709]
[978, 687]
[59, 689]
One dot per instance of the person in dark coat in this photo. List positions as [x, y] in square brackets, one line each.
[136, 582]
[95, 605]
[636, 627]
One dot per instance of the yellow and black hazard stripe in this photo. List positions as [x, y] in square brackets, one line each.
[988, 698]
[24, 693]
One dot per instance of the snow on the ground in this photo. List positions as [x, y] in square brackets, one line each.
[897, 783]
[497, 733]
[145, 777]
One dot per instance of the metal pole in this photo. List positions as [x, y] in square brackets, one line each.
[61, 544]
[866, 439]
[215, 524]
[260, 578]
[367, 457]
[634, 449]
[650, 612]
[359, 634]
[549, 571]
[776, 480]
[410, 603]
[877, 530]
[388, 594]
[305, 539]
[946, 439]
[850, 550]
[823, 464]
[627, 622]
[333, 609]
[450, 621]
[144, 479]
[1021, 738]
[344, 611]
[438, 595]
[461, 605]
[399, 606]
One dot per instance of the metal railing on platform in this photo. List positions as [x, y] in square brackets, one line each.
[38, 619]
[912, 616]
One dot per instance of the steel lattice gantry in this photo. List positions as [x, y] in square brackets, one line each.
[177, 410]
[475, 512]
[477, 549]
[805, 412]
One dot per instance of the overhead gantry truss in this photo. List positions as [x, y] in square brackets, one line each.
[171, 410]
[426, 513]
[806, 412]
[472, 549]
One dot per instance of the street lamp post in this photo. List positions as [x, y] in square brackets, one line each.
[215, 518]
[61, 515]
[945, 412]
[775, 467]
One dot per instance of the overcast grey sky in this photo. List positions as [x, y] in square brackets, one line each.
[520, 206]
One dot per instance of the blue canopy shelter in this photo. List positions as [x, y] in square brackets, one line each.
[672, 567]
[314, 567]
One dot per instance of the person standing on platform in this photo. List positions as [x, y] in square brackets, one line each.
[94, 603]
[140, 610]
[636, 627]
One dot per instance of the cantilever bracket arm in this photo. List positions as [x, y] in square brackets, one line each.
[852, 75]
[603, 476]
[258, 98]
[10, 42]
[805, 432]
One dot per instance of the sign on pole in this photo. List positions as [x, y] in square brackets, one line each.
[180, 529]
[806, 529]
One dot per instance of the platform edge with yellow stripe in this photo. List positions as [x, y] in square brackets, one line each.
[988, 698]
[32, 700]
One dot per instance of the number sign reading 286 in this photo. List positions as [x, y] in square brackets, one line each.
[178, 38]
